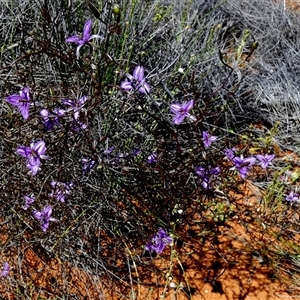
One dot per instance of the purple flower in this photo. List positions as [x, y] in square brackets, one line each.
[137, 81]
[214, 171]
[292, 197]
[152, 158]
[33, 154]
[242, 165]
[87, 164]
[77, 126]
[51, 119]
[109, 150]
[60, 190]
[265, 160]
[86, 37]
[230, 153]
[76, 105]
[28, 201]
[159, 242]
[6, 269]
[44, 216]
[181, 111]
[21, 101]
[201, 172]
[208, 175]
[122, 156]
[136, 152]
[208, 139]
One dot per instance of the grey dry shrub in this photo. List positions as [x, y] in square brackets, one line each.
[191, 50]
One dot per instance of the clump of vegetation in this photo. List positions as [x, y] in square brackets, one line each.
[123, 124]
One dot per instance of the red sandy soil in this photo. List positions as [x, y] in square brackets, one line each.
[292, 4]
[223, 267]
[218, 266]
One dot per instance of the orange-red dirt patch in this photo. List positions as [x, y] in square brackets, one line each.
[220, 265]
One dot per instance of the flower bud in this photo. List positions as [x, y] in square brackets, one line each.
[116, 9]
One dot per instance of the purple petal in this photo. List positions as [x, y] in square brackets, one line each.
[292, 197]
[82, 100]
[126, 85]
[163, 234]
[49, 124]
[144, 88]
[207, 139]
[77, 126]
[24, 93]
[59, 112]
[159, 247]
[48, 211]
[138, 73]
[200, 172]
[270, 157]
[28, 201]
[213, 138]
[6, 270]
[136, 152]
[24, 110]
[21, 101]
[45, 226]
[33, 163]
[175, 108]
[60, 189]
[152, 158]
[54, 183]
[130, 77]
[265, 160]
[109, 150]
[243, 171]
[237, 160]
[44, 217]
[229, 153]
[250, 160]
[188, 105]
[69, 102]
[214, 171]
[14, 99]
[42, 156]
[44, 113]
[74, 39]
[205, 135]
[178, 119]
[87, 31]
[148, 246]
[51, 119]
[87, 164]
[38, 215]
[23, 151]
[159, 241]
[260, 157]
[39, 148]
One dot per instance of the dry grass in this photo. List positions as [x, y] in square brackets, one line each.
[238, 60]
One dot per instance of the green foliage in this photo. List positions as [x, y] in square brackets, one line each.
[274, 194]
[264, 143]
[221, 211]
